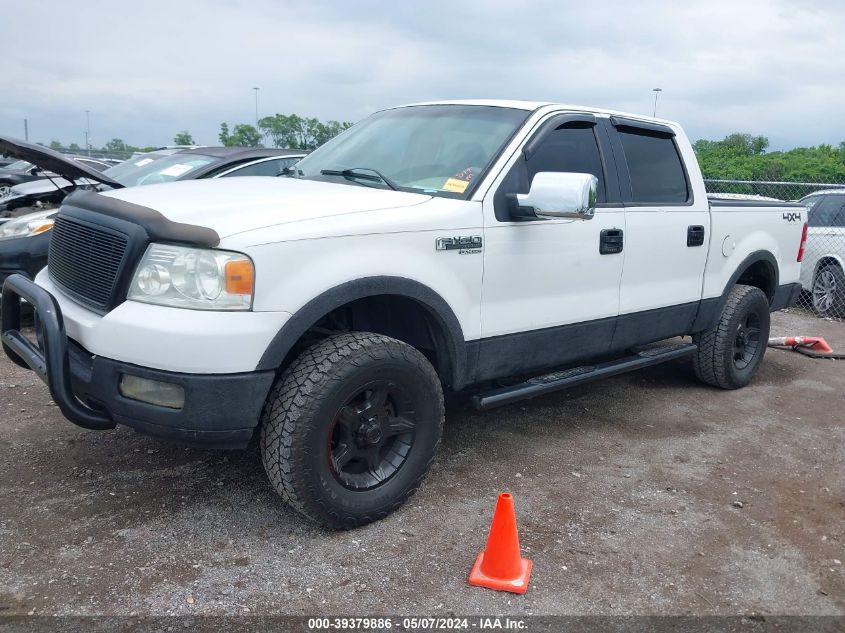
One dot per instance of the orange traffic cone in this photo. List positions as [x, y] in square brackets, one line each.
[815, 343]
[500, 565]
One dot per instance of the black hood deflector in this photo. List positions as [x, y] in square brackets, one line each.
[157, 227]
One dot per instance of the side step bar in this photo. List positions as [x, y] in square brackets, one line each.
[580, 375]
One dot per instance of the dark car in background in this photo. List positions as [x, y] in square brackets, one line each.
[24, 240]
[154, 167]
[21, 171]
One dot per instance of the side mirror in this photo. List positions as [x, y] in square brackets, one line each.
[561, 195]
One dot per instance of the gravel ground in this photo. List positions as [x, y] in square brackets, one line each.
[628, 493]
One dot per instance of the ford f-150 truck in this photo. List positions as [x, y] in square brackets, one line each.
[429, 247]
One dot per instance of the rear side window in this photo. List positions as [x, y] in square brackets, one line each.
[657, 173]
[829, 212]
[263, 168]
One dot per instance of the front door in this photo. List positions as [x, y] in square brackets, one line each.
[548, 295]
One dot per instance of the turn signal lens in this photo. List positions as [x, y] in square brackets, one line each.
[239, 277]
[42, 228]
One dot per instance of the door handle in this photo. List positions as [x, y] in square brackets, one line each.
[695, 235]
[611, 241]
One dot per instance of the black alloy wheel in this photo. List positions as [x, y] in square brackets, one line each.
[372, 435]
[747, 342]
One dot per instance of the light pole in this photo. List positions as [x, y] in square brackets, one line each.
[88, 130]
[256, 107]
[656, 91]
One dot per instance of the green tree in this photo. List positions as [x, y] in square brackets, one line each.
[284, 130]
[74, 147]
[183, 138]
[54, 144]
[224, 134]
[245, 135]
[117, 146]
[744, 157]
[296, 132]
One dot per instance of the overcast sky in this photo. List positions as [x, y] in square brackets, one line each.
[149, 69]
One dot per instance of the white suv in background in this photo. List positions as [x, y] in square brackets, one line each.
[823, 272]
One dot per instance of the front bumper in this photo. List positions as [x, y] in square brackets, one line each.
[220, 410]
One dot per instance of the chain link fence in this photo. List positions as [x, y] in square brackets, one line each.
[823, 269]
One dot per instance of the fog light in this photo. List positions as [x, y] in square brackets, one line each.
[163, 394]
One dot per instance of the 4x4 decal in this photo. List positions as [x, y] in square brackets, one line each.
[792, 216]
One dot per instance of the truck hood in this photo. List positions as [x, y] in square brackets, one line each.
[50, 160]
[237, 205]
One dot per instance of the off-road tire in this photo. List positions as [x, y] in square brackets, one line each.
[301, 411]
[714, 361]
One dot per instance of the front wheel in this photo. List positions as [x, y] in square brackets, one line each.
[730, 353]
[349, 430]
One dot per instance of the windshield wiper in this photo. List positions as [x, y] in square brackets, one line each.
[360, 173]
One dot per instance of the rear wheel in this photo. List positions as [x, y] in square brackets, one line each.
[350, 428]
[730, 353]
[829, 291]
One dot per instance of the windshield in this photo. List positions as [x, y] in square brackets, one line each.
[18, 165]
[132, 165]
[152, 169]
[437, 149]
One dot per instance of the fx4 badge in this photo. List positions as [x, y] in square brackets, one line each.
[464, 245]
[792, 216]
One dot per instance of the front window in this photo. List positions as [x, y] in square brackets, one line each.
[93, 164]
[810, 202]
[439, 149]
[150, 172]
[829, 212]
[18, 165]
[128, 167]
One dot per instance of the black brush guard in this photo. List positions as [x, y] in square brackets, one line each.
[50, 358]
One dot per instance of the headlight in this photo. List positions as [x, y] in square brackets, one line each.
[196, 278]
[27, 225]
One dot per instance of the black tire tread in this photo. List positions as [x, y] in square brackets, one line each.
[713, 343]
[293, 398]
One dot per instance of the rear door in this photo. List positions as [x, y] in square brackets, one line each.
[667, 229]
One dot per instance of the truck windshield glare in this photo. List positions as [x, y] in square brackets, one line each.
[438, 149]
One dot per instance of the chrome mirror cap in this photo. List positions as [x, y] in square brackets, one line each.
[561, 195]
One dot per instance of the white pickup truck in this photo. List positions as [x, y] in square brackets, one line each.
[429, 247]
